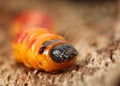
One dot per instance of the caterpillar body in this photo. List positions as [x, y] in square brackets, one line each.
[37, 47]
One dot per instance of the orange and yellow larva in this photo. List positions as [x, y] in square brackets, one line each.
[37, 47]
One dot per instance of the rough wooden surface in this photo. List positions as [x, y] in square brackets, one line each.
[92, 27]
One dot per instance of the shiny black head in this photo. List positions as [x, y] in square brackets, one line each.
[63, 52]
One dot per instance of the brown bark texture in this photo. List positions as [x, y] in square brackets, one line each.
[93, 27]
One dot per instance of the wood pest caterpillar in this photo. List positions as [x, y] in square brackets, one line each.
[37, 47]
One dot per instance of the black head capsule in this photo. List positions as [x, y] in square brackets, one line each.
[63, 52]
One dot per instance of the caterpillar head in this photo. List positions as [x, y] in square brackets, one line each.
[60, 55]
[63, 52]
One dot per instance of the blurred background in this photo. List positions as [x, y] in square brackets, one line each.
[79, 17]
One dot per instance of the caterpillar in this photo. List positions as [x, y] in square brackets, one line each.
[37, 47]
